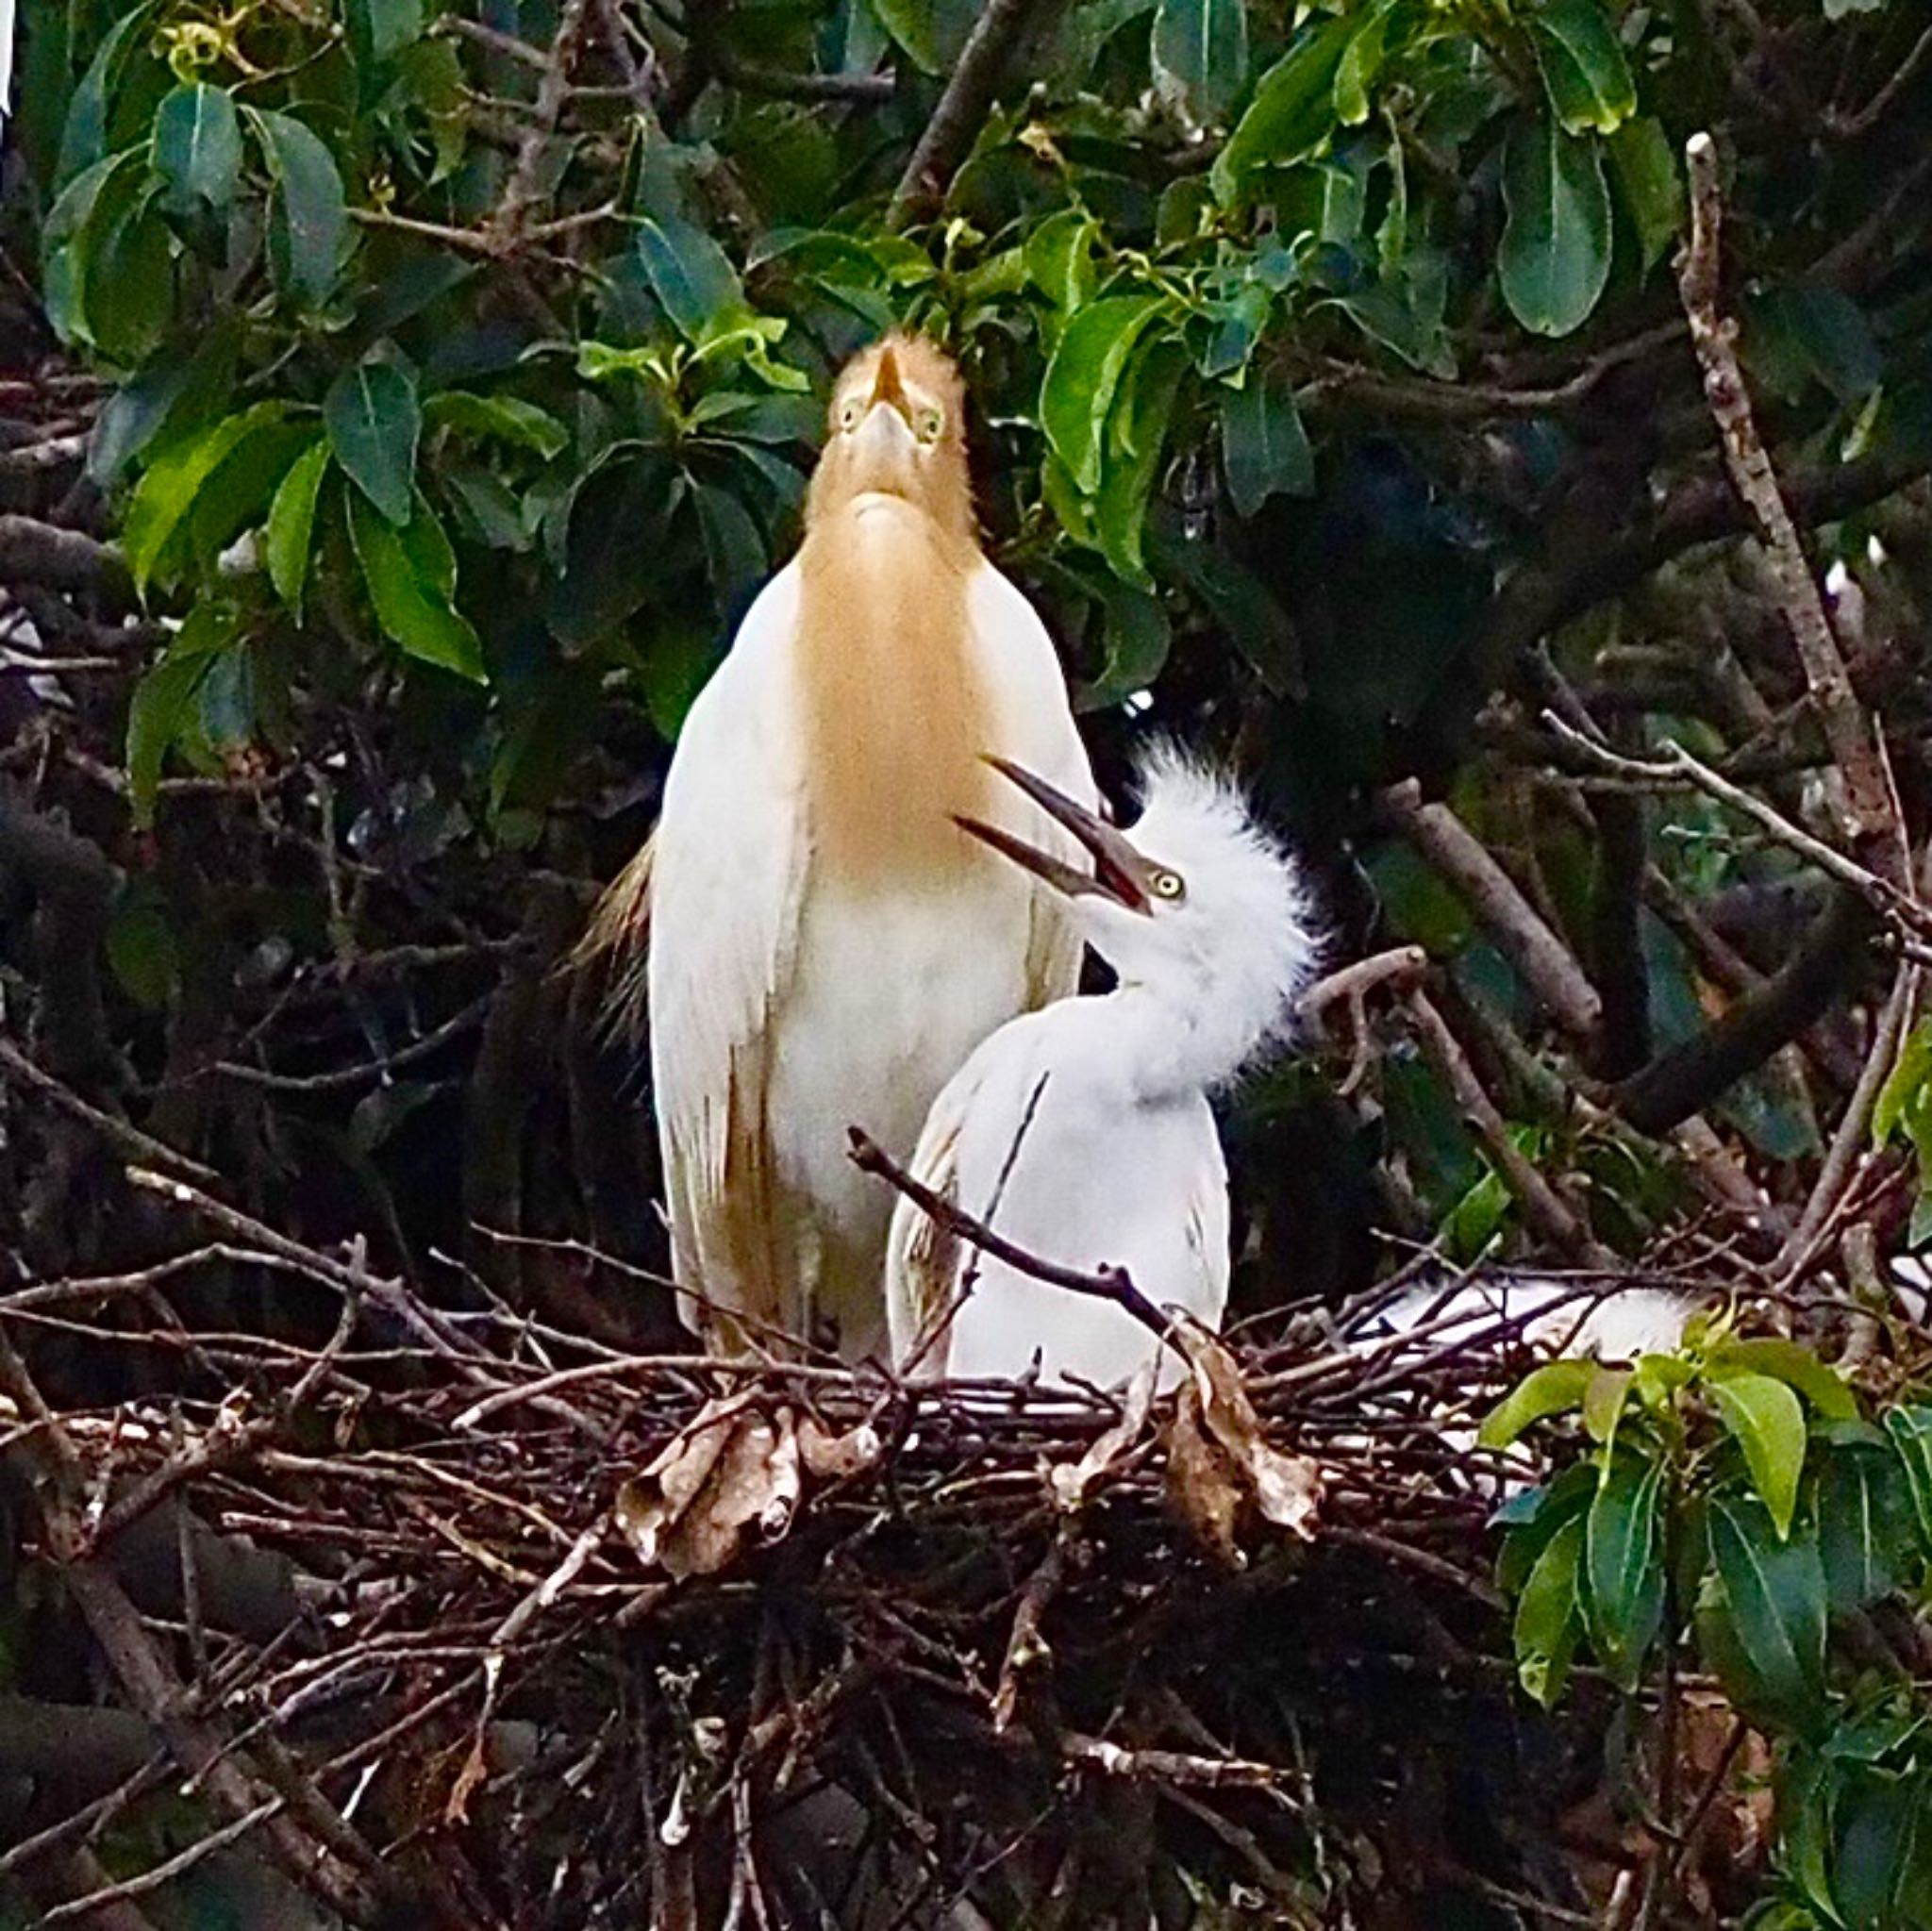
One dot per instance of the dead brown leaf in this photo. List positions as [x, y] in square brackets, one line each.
[737, 1470]
[830, 1457]
[1073, 1483]
[1220, 1463]
[733, 1468]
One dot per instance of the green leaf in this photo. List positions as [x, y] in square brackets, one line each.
[1551, 1390]
[1603, 1403]
[1078, 391]
[1532, 1517]
[1585, 74]
[1653, 190]
[1910, 1429]
[1906, 1080]
[1624, 1568]
[1865, 1526]
[1556, 251]
[1137, 637]
[1290, 117]
[198, 148]
[143, 957]
[1789, 1361]
[734, 551]
[168, 492]
[691, 275]
[163, 698]
[374, 422]
[292, 524]
[1136, 439]
[388, 25]
[309, 235]
[508, 418]
[1774, 1605]
[1360, 64]
[1548, 1620]
[1874, 1845]
[1769, 1425]
[174, 390]
[676, 668]
[1058, 255]
[1264, 449]
[83, 139]
[411, 573]
[930, 32]
[1200, 54]
[128, 276]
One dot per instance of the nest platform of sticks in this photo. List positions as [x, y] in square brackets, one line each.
[436, 1615]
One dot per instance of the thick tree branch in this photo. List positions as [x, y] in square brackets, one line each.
[44, 553]
[962, 110]
[1688, 1077]
[1545, 962]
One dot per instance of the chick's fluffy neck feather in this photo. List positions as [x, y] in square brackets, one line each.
[1207, 984]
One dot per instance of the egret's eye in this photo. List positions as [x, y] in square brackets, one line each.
[1168, 885]
[927, 425]
[848, 413]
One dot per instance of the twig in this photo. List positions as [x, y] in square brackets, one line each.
[129, 1140]
[1671, 765]
[1865, 809]
[1542, 1207]
[962, 107]
[1103, 1284]
[1174, 1766]
[1835, 1174]
[1547, 965]
[522, 192]
[1848, 127]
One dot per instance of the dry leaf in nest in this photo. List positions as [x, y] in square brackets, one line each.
[1072, 1482]
[1219, 1465]
[731, 1468]
[734, 1470]
[830, 1457]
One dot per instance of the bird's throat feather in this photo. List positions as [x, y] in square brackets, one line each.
[895, 713]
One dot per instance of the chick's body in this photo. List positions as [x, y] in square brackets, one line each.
[1083, 1133]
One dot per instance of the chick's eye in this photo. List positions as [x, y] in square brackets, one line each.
[1168, 885]
[848, 414]
[929, 425]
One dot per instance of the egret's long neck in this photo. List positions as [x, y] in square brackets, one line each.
[1177, 1038]
[895, 717]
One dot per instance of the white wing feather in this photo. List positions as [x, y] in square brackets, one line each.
[731, 862]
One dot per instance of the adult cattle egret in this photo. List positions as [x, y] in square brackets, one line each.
[1083, 1133]
[826, 946]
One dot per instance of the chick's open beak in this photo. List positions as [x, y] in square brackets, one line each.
[1118, 873]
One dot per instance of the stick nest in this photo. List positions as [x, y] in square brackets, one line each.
[455, 1618]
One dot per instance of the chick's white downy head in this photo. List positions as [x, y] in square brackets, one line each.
[1195, 903]
[1225, 917]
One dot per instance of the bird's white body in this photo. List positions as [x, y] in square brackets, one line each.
[1112, 1170]
[1554, 1316]
[1083, 1133]
[792, 996]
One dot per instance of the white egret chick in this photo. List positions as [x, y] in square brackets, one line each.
[1082, 1132]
